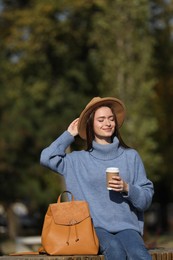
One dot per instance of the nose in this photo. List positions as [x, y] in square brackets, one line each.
[108, 123]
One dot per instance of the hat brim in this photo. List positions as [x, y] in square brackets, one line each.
[117, 106]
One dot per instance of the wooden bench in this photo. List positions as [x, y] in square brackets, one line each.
[46, 257]
[162, 253]
[157, 254]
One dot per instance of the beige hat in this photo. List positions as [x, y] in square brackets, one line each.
[116, 104]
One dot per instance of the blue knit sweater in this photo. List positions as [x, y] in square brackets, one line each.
[85, 177]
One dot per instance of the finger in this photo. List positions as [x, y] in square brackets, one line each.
[117, 186]
[117, 178]
[76, 120]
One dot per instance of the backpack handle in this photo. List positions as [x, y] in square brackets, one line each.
[66, 191]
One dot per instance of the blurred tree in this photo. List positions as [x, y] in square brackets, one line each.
[55, 56]
[45, 81]
[162, 29]
[124, 57]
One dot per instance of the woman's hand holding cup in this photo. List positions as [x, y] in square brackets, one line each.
[114, 181]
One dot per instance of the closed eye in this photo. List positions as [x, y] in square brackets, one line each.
[102, 119]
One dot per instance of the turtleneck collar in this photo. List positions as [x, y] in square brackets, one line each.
[107, 151]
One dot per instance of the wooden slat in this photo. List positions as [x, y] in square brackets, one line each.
[162, 254]
[157, 254]
[46, 257]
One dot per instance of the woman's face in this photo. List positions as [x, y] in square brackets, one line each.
[104, 125]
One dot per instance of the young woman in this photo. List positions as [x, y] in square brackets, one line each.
[118, 213]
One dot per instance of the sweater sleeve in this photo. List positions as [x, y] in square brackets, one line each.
[53, 157]
[141, 190]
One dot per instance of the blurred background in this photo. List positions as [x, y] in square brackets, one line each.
[54, 57]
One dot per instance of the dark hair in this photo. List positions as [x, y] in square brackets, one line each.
[90, 129]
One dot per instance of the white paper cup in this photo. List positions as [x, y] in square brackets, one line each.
[110, 172]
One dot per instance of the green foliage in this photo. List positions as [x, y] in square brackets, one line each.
[44, 84]
[162, 29]
[55, 56]
[124, 57]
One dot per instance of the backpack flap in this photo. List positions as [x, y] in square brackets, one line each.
[69, 213]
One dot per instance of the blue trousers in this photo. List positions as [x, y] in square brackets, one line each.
[126, 244]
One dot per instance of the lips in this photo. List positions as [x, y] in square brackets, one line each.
[107, 129]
